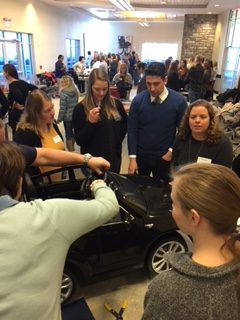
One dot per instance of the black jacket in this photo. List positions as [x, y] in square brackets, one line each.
[102, 139]
[4, 104]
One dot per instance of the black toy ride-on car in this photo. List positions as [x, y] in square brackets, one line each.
[140, 235]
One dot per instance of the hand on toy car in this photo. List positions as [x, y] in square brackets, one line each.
[89, 181]
[97, 164]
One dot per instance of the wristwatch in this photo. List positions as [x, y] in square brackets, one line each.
[86, 158]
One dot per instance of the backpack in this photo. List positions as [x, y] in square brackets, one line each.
[232, 95]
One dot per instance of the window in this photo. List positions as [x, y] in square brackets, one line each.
[159, 51]
[16, 48]
[26, 53]
[233, 39]
[232, 62]
[73, 51]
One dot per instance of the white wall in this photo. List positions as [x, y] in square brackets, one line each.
[104, 35]
[49, 25]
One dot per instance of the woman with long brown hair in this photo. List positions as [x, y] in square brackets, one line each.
[18, 91]
[100, 121]
[37, 126]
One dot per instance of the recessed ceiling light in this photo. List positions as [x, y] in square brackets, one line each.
[216, 5]
[171, 16]
[163, 2]
[209, 12]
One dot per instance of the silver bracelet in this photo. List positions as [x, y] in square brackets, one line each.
[95, 182]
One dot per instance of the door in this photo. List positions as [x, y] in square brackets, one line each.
[10, 53]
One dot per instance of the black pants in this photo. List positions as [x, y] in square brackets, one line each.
[153, 163]
[81, 86]
[123, 88]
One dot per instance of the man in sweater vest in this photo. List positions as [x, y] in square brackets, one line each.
[154, 117]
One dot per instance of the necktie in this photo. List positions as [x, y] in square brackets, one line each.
[157, 100]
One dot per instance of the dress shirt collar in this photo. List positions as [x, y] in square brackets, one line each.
[163, 95]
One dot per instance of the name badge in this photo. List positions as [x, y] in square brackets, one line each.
[57, 139]
[203, 160]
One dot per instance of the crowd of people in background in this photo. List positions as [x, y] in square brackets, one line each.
[163, 131]
[195, 75]
[99, 117]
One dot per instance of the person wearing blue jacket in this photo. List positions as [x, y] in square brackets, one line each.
[154, 117]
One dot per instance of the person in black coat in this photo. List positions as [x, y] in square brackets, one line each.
[100, 121]
[18, 92]
[4, 104]
[173, 80]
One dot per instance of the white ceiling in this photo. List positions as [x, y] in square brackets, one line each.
[150, 10]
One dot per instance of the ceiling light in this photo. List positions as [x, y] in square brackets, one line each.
[216, 5]
[171, 16]
[100, 13]
[144, 24]
[122, 4]
[209, 12]
[144, 15]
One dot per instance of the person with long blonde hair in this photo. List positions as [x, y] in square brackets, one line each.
[69, 96]
[204, 284]
[100, 121]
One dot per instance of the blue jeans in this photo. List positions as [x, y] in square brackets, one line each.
[68, 129]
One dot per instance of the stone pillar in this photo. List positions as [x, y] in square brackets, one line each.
[198, 35]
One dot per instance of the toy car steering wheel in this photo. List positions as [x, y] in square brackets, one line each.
[85, 186]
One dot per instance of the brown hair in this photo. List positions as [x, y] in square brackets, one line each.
[108, 103]
[205, 188]
[32, 111]
[12, 166]
[11, 70]
[214, 132]
[173, 68]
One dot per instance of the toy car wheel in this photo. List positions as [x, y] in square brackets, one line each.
[69, 286]
[156, 261]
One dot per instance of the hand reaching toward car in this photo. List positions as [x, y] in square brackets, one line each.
[98, 164]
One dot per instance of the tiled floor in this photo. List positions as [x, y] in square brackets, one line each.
[130, 286]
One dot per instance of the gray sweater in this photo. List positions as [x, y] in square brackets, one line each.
[192, 291]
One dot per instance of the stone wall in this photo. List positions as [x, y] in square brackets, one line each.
[198, 35]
